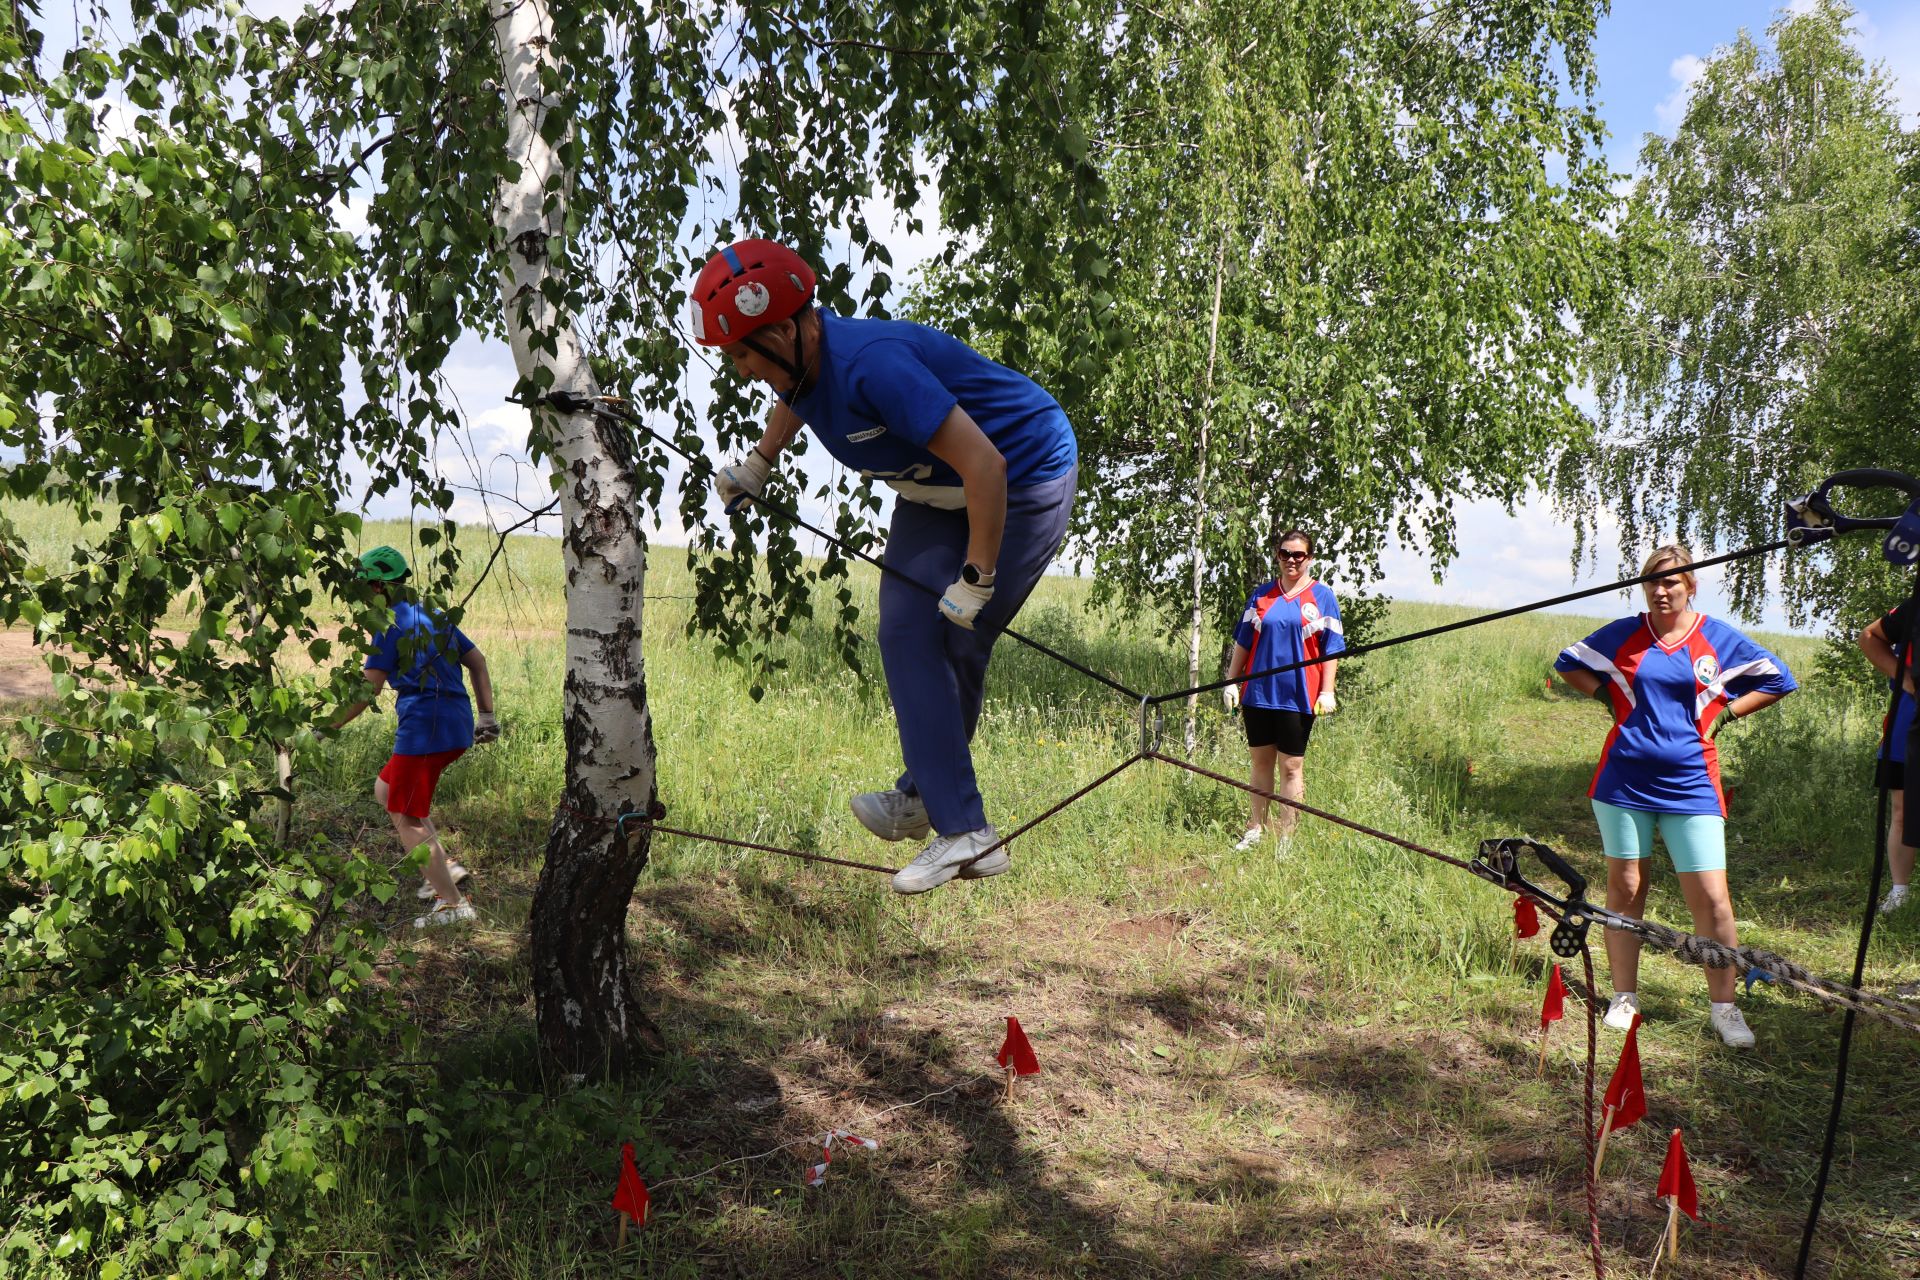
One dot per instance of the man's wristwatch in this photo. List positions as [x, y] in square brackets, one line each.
[971, 575]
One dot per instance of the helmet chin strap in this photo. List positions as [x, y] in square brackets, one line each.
[796, 368]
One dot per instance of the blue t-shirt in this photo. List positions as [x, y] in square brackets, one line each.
[420, 654]
[1893, 742]
[883, 387]
[1277, 630]
[1658, 758]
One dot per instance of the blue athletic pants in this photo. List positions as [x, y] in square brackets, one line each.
[936, 671]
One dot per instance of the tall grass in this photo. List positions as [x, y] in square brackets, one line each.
[1446, 742]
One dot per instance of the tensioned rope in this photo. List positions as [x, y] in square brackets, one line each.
[1475, 621]
[1689, 947]
[1694, 949]
[569, 403]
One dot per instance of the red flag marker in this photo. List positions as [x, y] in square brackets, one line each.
[1016, 1055]
[1526, 920]
[1626, 1101]
[1552, 1009]
[630, 1197]
[1676, 1185]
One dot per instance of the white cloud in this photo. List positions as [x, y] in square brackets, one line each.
[1505, 560]
[1685, 70]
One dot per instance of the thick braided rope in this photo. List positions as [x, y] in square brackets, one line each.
[1693, 949]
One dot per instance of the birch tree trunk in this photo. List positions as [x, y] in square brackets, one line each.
[1200, 510]
[589, 1015]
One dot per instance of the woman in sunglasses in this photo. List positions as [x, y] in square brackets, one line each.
[1292, 619]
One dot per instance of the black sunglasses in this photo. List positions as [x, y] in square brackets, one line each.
[1292, 556]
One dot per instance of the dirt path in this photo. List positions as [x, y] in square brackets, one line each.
[23, 676]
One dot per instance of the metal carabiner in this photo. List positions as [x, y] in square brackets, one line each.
[1150, 738]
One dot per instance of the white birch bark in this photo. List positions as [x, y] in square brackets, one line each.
[589, 1016]
[1196, 628]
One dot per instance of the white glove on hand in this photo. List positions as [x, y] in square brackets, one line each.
[738, 481]
[1324, 705]
[1230, 694]
[485, 728]
[962, 603]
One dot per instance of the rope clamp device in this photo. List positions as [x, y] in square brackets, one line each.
[1499, 861]
[1812, 518]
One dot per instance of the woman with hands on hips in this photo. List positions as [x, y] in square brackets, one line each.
[1666, 675]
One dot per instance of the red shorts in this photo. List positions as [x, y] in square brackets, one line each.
[411, 779]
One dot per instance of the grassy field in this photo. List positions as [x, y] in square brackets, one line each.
[1316, 1065]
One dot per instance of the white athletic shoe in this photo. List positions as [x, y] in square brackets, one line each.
[443, 915]
[1732, 1027]
[1248, 839]
[454, 869]
[892, 814]
[1620, 1011]
[1896, 898]
[941, 861]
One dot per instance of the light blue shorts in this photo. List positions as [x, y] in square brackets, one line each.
[1695, 841]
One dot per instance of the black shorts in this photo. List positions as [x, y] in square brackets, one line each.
[1287, 731]
[1890, 774]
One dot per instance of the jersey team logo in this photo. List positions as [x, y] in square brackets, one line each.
[1706, 669]
[1309, 611]
[752, 298]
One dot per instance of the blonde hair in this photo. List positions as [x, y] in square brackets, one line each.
[1672, 556]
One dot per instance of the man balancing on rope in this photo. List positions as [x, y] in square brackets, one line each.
[985, 466]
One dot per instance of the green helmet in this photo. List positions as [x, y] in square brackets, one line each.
[383, 564]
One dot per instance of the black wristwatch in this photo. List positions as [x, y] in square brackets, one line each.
[971, 575]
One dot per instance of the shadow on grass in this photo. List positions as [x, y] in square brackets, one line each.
[798, 1004]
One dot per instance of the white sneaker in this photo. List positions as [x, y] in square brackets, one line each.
[941, 861]
[454, 869]
[1248, 839]
[1732, 1027]
[443, 915]
[892, 814]
[1896, 898]
[1620, 1011]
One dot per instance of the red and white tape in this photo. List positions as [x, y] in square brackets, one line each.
[817, 1174]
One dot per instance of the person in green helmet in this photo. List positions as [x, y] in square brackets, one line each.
[417, 655]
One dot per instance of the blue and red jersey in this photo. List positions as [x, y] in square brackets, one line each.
[1893, 740]
[883, 387]
[1658, 758]
[420, 654]
[1279, 629]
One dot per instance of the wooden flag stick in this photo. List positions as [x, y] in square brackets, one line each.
[1673, 1227]
[1545, 1029]
[1606, 1127]
[623, 1233]
[1011, 1077]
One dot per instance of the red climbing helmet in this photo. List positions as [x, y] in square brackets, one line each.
[745, 287]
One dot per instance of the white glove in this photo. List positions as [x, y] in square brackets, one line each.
[1230, 694]
[1324, 705]
[963, 602]
[738, 481]
[485, 728]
